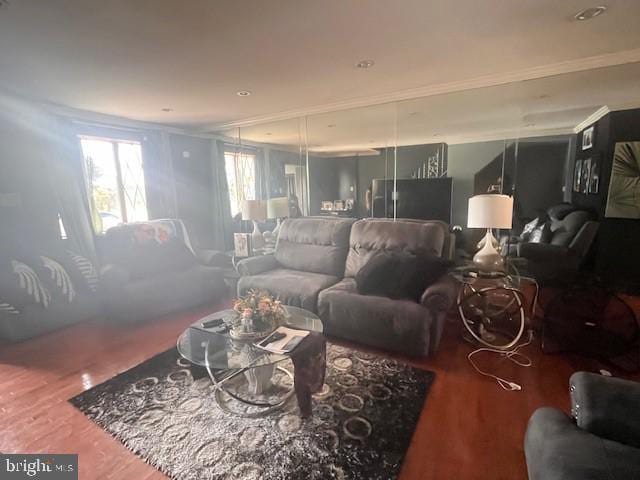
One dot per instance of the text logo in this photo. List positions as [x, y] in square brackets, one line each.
[38, 466]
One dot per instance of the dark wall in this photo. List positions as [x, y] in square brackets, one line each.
[277, 177]
[332, 179]
[27, 201]
[617, 251]
[191, 159]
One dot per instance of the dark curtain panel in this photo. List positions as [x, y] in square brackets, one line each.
[66, 173]
[262, 175]
[158, 176]
[220, 206]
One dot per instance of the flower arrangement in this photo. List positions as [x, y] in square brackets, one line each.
[259, 313]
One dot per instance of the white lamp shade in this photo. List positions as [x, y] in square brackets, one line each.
[490, 211]
[254, 210]
[278, 207]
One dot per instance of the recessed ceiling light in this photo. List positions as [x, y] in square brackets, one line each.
[365, 64]
[331, 125]
[167, 109]
[268, 134]
[529, 125]
[589, 13]
[243, 93]
[414, 113]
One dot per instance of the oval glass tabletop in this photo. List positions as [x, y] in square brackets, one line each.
[197, 343]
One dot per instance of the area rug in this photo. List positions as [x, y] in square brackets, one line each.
[361, 427]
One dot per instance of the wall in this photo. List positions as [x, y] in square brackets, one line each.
[332, 179]
[27, 202]
[191, 161]
[464, 161]
[616, 251]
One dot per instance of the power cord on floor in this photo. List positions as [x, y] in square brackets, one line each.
[514, 355]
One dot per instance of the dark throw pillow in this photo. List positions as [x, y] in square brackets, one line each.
[399, 275]
[55, 278]
[542, 233]
[528, 229]
[20, 285]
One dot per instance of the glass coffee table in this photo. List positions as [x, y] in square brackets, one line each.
[229, 362]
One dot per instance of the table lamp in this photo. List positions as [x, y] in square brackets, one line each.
[277, 208]
[256, 211]
[490, 211]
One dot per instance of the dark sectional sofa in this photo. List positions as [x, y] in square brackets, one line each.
[315, 264]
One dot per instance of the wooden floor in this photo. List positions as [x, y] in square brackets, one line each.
[469, 428]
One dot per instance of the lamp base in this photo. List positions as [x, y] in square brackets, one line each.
[488, 259]
[257, 241]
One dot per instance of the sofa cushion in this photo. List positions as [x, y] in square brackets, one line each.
[565, 230]
[402, 326]
[373, 235]
[399, 275]
[314, 245]
[154, 259]
[292, 287]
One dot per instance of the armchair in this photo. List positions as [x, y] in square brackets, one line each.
[601, 441]
[560, 248]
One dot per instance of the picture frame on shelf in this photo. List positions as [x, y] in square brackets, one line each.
[588, 137]
[577, 175]
[594, 177]
[242, 245]
[586, 175]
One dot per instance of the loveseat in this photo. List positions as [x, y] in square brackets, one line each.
[152, 269]
[315, 265]
[601, 441]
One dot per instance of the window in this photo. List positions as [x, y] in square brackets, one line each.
[115, 180]
[240, 168]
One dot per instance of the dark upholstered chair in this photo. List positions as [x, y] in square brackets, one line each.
[404, 326]
[563, 249]
[152, 269]
[600, 442]
[310, 256]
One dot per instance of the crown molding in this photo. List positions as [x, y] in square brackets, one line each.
[509, 135]
[559, 68]
[591, 119]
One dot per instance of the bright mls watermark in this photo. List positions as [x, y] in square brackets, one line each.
[44, 466]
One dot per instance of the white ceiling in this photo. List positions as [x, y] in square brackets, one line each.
[133, 58]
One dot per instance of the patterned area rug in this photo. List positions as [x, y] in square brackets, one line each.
[362, 422]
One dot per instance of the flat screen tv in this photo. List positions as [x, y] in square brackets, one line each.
[421, 199]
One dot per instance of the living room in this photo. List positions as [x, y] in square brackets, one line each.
[347, 240]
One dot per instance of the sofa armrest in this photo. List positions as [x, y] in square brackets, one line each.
[213, 258]
[113, 276]
[256, 265]
[441, 295]
[606, 407]
[543, 252]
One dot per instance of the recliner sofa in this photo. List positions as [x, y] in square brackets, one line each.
[152, 269]
[601, 441]
[314, 267]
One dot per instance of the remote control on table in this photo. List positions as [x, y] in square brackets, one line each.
[214, 322]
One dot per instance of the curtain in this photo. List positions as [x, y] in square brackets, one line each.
[66, 175]
[220, 205]
[262, 175]
[158, 176]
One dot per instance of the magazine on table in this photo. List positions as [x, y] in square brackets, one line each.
[282, 340]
